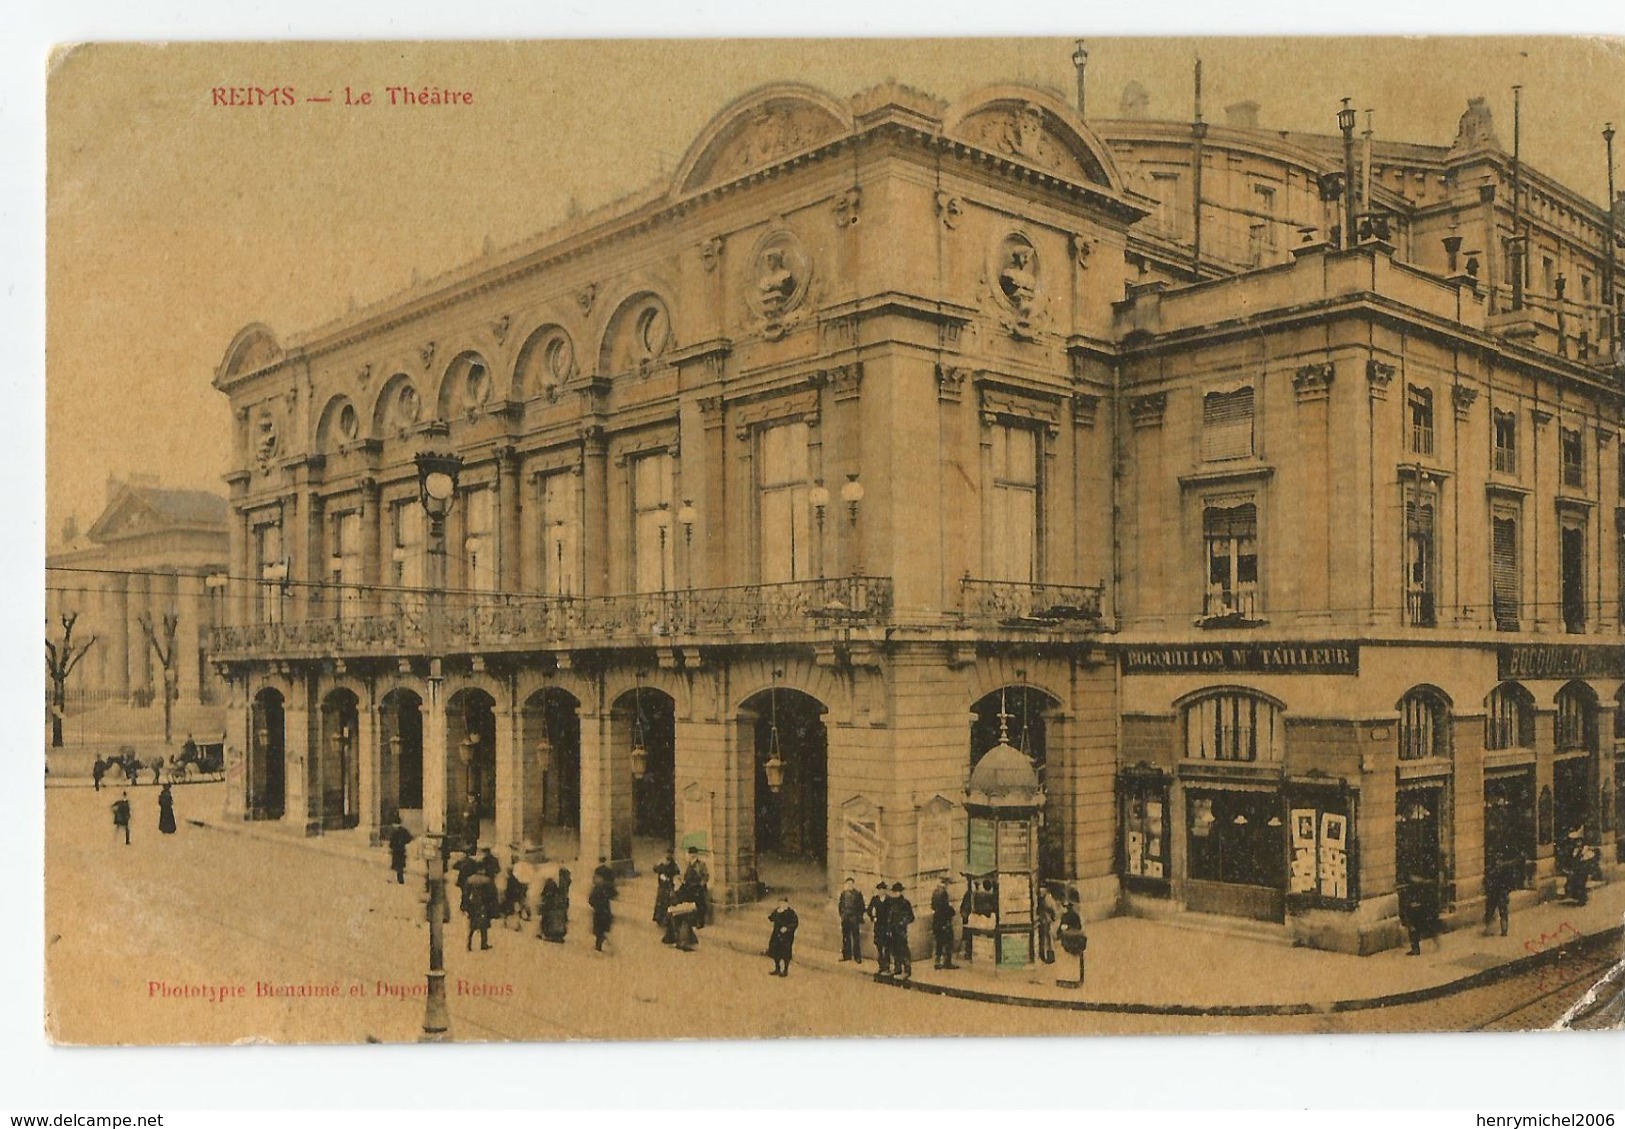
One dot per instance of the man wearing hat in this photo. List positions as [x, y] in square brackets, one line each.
[942, 925]
[781, 944]
[899, 916]
[850, 907]
[879, 907]
[698, 878]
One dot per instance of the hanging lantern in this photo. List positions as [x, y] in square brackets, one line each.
[774, 768]
[640, 760]
[640, 752]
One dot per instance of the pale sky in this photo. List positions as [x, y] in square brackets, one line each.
[172, 223]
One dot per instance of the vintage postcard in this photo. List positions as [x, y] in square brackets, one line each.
[646, 540]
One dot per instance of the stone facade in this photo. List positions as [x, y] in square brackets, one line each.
[781, 480]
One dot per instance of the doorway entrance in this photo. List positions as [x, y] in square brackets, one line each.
[400, 797]
[791, 788]
[1509, 821]
[552, 736]
[267, 761]
[471, 767]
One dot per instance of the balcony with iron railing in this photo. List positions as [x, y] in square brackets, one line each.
[396, 622]
[1230, 604]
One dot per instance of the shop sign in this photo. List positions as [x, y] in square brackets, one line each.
[1560, 660]
[1244, 658]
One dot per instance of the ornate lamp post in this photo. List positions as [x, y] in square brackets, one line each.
[437, 490]
[1345, 122]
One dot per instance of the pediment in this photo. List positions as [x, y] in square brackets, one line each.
[126, 517]
[1034, 134]
[767, 129]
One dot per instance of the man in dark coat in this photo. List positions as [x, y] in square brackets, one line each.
[480, 904]
[899, 916]
[683, 913]
[698, 875]
[1419, 911]
[466, 868]
[666, 875]
[942, 925]
[1069, 931]
[781, 945]
[398, 840]
[602, 916]
[166, 811]
[850, 907]
[121, 817]
[97, 771]
[1500, 877]
[879, 906]
[605, 874]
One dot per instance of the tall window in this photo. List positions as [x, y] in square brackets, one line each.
[272, 569]
[651, 523]
[1509, 721]
[1230, 531]
[1233, 726]
[1424, 726]
[1421, 568]
[1262, 233]
[1576, 721]
[344, 566]
[1227, 425]
[561, 526]
[406, 535]
[1419, 404]
[1013, 504]
[1572, 455]
[1505, 581]
[1572, 570]
[785, 549]
[1506, 442]
[479, 540]
[1171, 211]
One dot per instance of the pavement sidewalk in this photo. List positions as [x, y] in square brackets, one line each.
[1182, 965]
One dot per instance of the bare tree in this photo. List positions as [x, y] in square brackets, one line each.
[60, 659]
[165, 651]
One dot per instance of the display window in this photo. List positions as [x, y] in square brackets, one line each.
[1144, 820]
[1323, 866]
[1236, 836]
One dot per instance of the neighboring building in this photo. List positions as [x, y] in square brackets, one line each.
[784, 479]
[151, 552]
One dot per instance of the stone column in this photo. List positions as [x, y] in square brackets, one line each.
[510, 782]
[597, 792]
[434, 758]
[301, 757]
[239, 725]
[715, 788]
[509, 520]
[372, 524]
[595, 513]
[367, 748]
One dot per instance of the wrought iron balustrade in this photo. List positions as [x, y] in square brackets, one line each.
[1009, 601]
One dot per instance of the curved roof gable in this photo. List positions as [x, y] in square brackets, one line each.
[1037, 128]
[253, 348]
[760, 129]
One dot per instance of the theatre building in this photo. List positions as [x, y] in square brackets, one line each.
[737, 514]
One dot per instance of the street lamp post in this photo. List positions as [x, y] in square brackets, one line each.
[437, 490]
[1610, 303]
[1345, 122]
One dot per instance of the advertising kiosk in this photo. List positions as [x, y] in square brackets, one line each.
[1004, 802]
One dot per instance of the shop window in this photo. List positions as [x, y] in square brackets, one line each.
[1424, 725]
[1576, 724]
[1506, 442]
[1505, 580]
[1145, 834]
[784, 534]
[1236, 836]
[1509, 722]
[1320, 831]
[1419, 405]
[1227, 425]
[1233, 726]
[1230, 532]
[1572, 456]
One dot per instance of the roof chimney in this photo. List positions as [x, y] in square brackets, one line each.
[1242, 115]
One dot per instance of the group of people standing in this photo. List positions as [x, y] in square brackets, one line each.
[889, 914]
[683, 900]
[122, 814]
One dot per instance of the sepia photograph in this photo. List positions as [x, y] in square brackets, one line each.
[789, 538]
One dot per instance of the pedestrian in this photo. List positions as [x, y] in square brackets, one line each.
[605, 874]
[781, 944]
[564, 892]
[516, 892]
[121, 817]
[899, 916]
[1500, 877]
[666, 875]
[850, 907]
[683, 913]
[97, 771]
[698, 876]
[1048, 914]
[465, 869]
[1419, 912]
[879, 906]
[1069, 931]
[602, 917]
[1579, 874]
[480, 904]
[399, 837]
[942, 925]
[551, 918]
[157, 766]
[166, 811]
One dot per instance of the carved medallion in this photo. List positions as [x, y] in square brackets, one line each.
[407, 409]
[1015, 280]
[266, 438]
[349, 423]
[778, 279]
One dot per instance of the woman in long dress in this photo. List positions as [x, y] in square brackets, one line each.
[550, 913]
[166, 811]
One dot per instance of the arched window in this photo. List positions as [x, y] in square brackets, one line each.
[1424, 724]
[1233, 725]
[1509, 722]
[1576, 719]
[1619, 713]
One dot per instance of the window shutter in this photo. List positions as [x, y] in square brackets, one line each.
[1227, 425]
[1504, 569]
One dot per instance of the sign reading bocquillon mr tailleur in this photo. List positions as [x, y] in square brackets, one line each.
[1560, 660]
[1244, 658]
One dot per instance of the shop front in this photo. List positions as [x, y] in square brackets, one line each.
[1235, 850]
[1509, 820]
